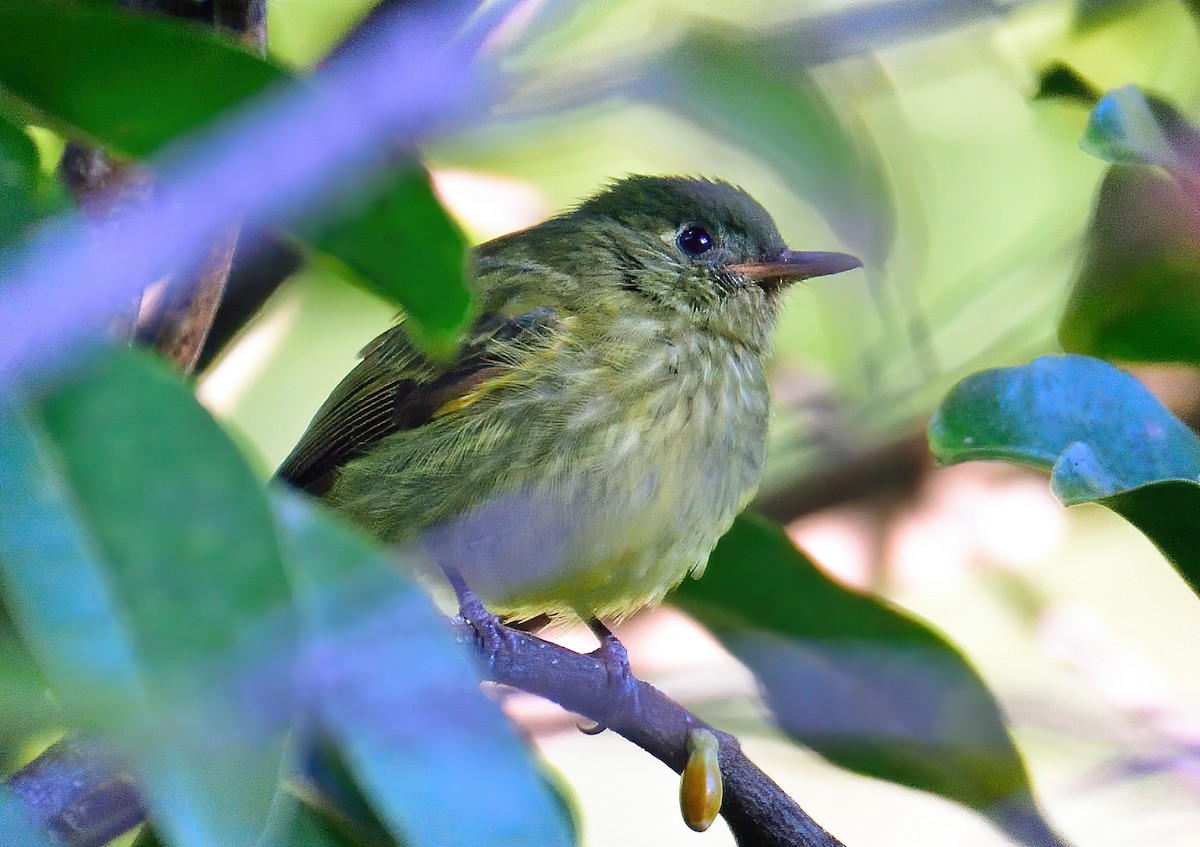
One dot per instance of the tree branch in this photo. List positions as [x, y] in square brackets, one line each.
[895, 469]
[758, 811]
[176, 312]
[80, 792]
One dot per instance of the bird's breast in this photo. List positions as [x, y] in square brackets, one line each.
[671, 472]
[637, 465]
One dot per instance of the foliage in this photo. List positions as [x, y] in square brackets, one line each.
[860, 682]
[94, 95]
[1102, 435]
[218, 631]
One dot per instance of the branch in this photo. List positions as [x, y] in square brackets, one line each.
[895, 469]
[80, 792]
[177, 312]
[262, 262]
[758, 811]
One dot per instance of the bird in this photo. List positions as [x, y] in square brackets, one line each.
[603, 420]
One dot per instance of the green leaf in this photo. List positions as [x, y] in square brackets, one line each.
[401, 244]
[1103, 436]
[296, 824]
[1060, 81]
[741, 88]
[19, 172]
[132, 82]
[26, 706]
[1137, 294]
[859, 681]
[101, 71]
[329, 786]
[138, 558]
[1093, 14]
[400, 700]
[310, 828]
[105, 72]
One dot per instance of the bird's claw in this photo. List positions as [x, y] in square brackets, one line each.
[490, 633]
[622, 685]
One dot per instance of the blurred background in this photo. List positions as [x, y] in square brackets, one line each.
[920, 136]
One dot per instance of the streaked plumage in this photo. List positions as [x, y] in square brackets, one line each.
[605, 419]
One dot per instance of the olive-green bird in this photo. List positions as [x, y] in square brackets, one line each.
[605, 418]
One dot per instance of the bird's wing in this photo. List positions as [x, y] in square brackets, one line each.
[396, 388]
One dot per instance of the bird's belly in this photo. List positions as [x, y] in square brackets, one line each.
[609, 538]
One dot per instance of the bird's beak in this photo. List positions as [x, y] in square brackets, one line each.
[793, 266]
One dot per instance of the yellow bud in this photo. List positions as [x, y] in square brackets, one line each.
[700, 788]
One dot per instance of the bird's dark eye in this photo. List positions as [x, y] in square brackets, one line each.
[694, 240]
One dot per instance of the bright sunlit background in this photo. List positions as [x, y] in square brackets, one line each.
[968, 198]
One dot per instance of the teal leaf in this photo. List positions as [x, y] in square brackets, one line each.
[401, 244]
[132, 82]
[138, 559]
[860, 682]
[1136, 296]
[399, 698]
[16, 824]
[1129, 127]
[1103, 436]
[297, 825]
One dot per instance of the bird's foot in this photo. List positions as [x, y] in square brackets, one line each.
[622, 685]
[490, 633]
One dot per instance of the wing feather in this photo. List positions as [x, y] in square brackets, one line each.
[394, 388]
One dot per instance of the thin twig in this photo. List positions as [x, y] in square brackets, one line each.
[177, 313]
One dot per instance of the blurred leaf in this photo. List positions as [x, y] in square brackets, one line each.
[402, 245]
[1137, 294]
[147, 838]
[1102, 435]
[1130, 127]
[138, 558]
[1059, 80]
[19, 171]
[859, 681]
[742, 90]
[104, 72]
[16, 825]
[298, 826]
[330, 788]
[1092, 14]
[310, 828]
[26, 706]
[132, 82]
[400, 699]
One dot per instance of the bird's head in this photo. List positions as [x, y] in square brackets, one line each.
[704, 249]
